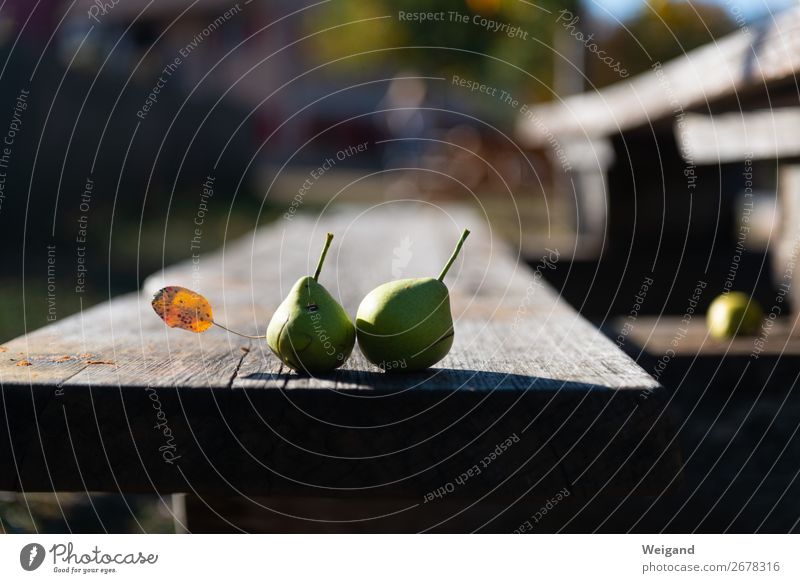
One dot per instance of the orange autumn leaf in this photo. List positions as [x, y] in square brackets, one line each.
[180, 307]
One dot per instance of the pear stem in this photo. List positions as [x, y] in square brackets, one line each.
[328, 240]
[238, 333]
[456, 251]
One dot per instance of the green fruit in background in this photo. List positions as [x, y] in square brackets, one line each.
[310, 331]
[734, 313]
[406, 325]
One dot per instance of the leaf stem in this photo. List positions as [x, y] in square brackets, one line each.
[328, 240]
[456, 251]
[238, 333]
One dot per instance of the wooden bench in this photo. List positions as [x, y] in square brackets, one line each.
[531, 395]
[679, 353]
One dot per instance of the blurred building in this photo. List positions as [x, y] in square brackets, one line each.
[679, 167]
[252, 55]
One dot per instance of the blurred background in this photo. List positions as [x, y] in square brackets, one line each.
[123, 116]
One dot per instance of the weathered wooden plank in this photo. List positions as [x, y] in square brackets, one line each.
[154, 409]
[671, 335]
[734, 137]
[686, 357]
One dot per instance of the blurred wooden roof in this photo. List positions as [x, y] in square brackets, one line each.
[760, 56]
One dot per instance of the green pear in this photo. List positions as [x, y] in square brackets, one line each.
[406, 325]
[734, 313]
[310, 331]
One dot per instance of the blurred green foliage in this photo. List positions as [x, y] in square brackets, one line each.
[84, 513]
[353, 34]
[467, 49]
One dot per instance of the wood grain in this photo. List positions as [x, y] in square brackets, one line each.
[524, 364]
